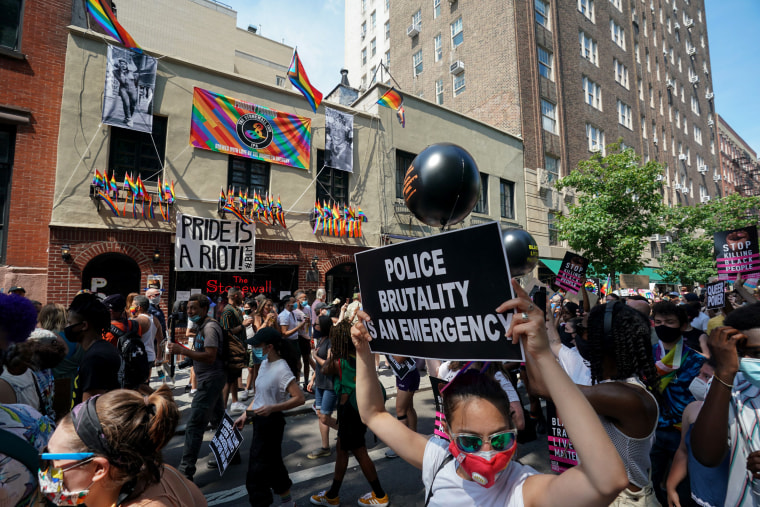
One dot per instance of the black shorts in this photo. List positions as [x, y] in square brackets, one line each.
[304, 346]
[351, 429]
[233, 374]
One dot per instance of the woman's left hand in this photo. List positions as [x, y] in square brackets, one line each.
[240, 421]
[263, 411]
[532, 330]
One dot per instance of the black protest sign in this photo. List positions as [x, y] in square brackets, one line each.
[737, 253]
[562, 455]
[716, 295]
[210, 244]
[572, 271]
[436, 297]
[438, 430]
[403, 368]
[225, 443]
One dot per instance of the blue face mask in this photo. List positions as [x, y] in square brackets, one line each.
[194, 318]
[751, 370]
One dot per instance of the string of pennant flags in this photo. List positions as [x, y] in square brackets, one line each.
[107, 190]
[250, 209]
[332, 220]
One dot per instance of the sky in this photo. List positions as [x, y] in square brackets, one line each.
[733, 29]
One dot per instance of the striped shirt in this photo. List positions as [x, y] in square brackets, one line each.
[744, 437]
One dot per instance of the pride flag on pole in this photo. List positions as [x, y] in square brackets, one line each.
[606, 286]
[103, 15]
[392, 99]
[300, 80]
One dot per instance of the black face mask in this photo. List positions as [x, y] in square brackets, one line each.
[584, 347]
[72, 335]
[668, 334]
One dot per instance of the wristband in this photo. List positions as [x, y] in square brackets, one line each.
[730, 386]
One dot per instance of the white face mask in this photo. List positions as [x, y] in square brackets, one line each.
[154, 300]
[698, 388]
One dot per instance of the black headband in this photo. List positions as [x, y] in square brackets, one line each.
[88, 428]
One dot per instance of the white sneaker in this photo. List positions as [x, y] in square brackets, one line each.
[390, 453]
[238, 408]
[244, 395]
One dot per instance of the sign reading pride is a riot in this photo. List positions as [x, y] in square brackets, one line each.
[210, 244]
[436, 297]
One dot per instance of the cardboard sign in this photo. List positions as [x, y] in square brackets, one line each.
[634, 281]
[716, 295]
[436, 297]
[737, 253]
[401, 370]
[562, 455]
[436, 384]
[572, 271]
[182, 295]
[210, 244]
[225, 443]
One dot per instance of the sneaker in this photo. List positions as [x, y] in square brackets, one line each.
[321, 499]
[193, 391]
[238, 408]
[319, 453]
[390, 454]
[371, 499]
[244, 395]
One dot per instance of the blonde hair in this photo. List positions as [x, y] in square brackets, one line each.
[52, 317]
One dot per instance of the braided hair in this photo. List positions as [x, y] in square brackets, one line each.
[628, 343]
[340, 339]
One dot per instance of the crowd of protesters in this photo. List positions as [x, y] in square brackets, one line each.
[658, 396]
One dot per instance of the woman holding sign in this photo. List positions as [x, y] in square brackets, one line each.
[483, 438]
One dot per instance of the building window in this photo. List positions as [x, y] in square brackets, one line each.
[552, 166]
[387, 30]
[625, 117]
[437, 44]
[373, 47]
[592, 93]
[387, 5]
[403, 161]
[545, 63]
[417, 62]
[589, 48]
[507, 199]
[10, 24]
[618, 4]
[621, 73]
[542, 13]
[549, 116]
[280, 80]
[388, 58]
[364, 6]
[551, 222]
[133, 152]
[698, 135]
[373, 20]
[417, 19]
[695, 105]
[482, 205]
[7, 143]
[595, 138]
[618, 34]
[439, 92]
[457, 36]
[458, 83]
[248, 174]
[364, 56]
[373, 73]
[587, 8]
[436, 8]
[364, 29]
[332, 184]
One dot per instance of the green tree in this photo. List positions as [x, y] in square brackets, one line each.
[689, 258]
[618, 208]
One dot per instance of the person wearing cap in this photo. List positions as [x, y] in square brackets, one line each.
[154, 298]
[19, 291]
[276, 391]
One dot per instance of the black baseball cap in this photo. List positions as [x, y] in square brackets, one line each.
[17, 289]
[264, 336]
[115, 302]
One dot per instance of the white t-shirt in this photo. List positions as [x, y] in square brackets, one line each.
[450, 490]
[287, 319]
[574, 365]
[272, 383]
[444, 373]
[700, 321]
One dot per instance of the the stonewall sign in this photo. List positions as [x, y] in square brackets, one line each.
[737, 253]
[716, 295]
[210, 244]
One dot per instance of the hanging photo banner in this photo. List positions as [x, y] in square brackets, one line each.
[572, 271]
[716, 295]
[339, 140]
[429, 297]
[235, 127]
[128, 94]
[737, 253]
[210, 244]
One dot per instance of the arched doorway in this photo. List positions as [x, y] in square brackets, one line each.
[112, 273]
[341, 281]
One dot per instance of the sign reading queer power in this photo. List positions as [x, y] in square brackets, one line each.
[210, 244]
[716, 295]
[436, 297]
[737, 253]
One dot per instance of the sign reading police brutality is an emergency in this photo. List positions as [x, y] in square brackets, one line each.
[210, 244]
[436, 297]
[716, 295]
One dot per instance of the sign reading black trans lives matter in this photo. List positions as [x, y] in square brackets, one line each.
[436, 297]
[210, 244]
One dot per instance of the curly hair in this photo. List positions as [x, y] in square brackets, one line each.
[628, 343]
[18, 317]
[340, 339]
[744, 317]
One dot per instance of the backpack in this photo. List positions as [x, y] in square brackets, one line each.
[136, 370]
[234, 351]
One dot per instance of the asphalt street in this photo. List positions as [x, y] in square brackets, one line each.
[402, 481]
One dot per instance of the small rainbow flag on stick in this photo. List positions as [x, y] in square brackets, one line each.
[103, 15]
[392, 99]
[401, 116]
[300, 80]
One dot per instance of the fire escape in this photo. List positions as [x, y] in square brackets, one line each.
[747, 172]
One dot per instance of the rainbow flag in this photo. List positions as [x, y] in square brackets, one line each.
[606, 286]
[401, 116]
[104, 16]
[231, 209]
[392, 99]
[98, 180]
[109, 202]
[300, 80]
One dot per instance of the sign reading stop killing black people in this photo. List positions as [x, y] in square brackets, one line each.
[572, 271]
[737, 253]
[716, 295]
[436, 297]
[210, 244]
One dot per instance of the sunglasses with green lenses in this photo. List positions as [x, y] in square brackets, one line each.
[501, 441]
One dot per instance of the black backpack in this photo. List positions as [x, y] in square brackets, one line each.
[134, 357]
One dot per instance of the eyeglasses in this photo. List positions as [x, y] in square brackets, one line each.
[47, 458]
[501, 441]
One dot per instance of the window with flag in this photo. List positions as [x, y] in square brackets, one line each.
[459, 83]
[417, 62]
[10, 24]
[507, 199]
[546, 63]
[332, 184]
[482, 205]
[542, 13]
[551, 222]
[549, 116]
[438, 46]
[403, 161]
[439, 92]
[248, 174]
[134, 152]
[457, 35]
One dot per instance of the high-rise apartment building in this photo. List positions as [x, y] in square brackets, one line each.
[739, 169]
[569, 77]
[367, 42]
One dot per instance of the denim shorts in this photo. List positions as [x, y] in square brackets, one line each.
[325, 400]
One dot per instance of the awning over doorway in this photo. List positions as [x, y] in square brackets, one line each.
[555, 264]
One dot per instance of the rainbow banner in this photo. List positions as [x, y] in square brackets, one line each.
[103, 15]
[235, 127]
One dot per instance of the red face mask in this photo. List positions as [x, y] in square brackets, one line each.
[483, 466]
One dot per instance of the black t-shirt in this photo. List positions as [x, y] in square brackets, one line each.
[691, 338]
[321, 380]
[100, 370]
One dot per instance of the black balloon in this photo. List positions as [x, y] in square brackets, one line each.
[521, 249]
[442, 185]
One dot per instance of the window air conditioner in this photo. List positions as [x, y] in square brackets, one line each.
[666, 239]
[705, 198]
[655, 140]
[656, 238]
[710, 123]
[702, 169]
[682, 156]
[676, 25]
[413, 30]
[691, 51]
[595, 149]
[671, 84]
[688, 23]
[716, 177]
[677, 187]
[457, 67]
[660, 177]
[694, 79]
[709, 95]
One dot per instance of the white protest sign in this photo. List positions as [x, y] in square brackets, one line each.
[211, 244]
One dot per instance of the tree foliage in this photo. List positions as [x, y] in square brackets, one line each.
[689, 257]
[619, 206]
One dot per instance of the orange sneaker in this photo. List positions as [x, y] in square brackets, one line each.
[371, 499]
